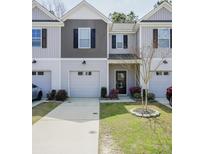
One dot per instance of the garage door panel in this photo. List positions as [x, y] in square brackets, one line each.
[159, 83]
[43, 80]
[84, 85]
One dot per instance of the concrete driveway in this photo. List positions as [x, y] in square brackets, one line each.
[71, 128]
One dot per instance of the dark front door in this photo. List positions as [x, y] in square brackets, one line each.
[121, 85]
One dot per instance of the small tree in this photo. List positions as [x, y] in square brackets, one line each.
[145, 68]
[118, 17]
[56, 7]
[146, 55]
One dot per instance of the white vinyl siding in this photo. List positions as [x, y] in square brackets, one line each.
[163, 38]
[84, 38]
[131, 44]
[147, 40]
[53, 49]
[37, 14]
[119, 41]
[162, 14]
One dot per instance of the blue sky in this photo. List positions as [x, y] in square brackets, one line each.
[140, 7]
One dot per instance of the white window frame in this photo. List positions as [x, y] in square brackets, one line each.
[117, 35]
[84, 28]
[159, 38]
[40, 37]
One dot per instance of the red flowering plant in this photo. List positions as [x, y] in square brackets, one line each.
[134, 90]
[114, 94]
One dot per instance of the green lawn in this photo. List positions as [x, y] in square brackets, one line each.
[135, 135]
[42, 109]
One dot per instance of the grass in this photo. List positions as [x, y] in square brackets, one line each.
[42, 109]
[135, 135]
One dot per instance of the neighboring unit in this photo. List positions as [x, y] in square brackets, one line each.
[84, 51]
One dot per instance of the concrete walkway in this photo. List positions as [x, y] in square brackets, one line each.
[71, 128]
[163, 101]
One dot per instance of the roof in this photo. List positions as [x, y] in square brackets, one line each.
[123, 56]
[46, 11]
[86, 4]
[165, 4]
[123, 27]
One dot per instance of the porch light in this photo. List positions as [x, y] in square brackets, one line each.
[84, 62]
[165, 62]
[34, 61]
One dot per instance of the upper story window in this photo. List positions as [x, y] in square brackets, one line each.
[164, 38]
[36, 37]
[119, 41]
[84, 38]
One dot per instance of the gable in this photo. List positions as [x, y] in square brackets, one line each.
[38, 14]
[162, 14]
[85, 11]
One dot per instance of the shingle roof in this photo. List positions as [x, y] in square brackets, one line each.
[123, 56]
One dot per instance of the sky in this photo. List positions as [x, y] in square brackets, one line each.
[140, 7]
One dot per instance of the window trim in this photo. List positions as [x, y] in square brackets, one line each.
[168, 38]
[83, 28]
[40, 38]
[122, 41]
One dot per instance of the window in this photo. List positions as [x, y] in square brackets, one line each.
[40, 73]
[166, 73]
[119, 41]
[80, 73]
[88, 73]
[158, 73]
[33, 73]
[84, 38]
[36, 37]
[164, 38]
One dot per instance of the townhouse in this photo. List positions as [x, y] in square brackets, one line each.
[84, 51]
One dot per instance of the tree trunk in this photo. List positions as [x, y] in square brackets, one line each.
[146, 93]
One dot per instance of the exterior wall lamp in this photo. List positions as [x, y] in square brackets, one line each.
[84, 62]
[34, 61]
[165, 62]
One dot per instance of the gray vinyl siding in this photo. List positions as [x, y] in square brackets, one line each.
[100, 50]
[131, 77]
[162, 14]
[147, 41]
[37, 14]
[53, 45]
[131, 45]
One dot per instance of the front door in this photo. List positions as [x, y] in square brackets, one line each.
[121, 85]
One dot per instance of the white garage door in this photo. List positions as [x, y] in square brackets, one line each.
[43, 80]
[160, 81]
[84, 84]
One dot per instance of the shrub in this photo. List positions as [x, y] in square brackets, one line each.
[150, 96]
[114, 94]
[103, 92]
[137, 95]
[61, 95]
[51, 95]
[134, 90]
